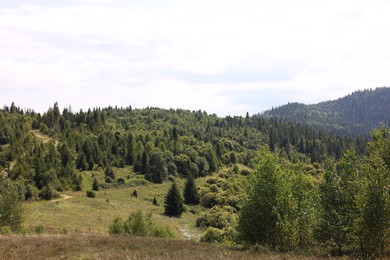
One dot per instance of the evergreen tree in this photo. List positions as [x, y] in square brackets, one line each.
[95, 185]
[173, 202]
[190, 191]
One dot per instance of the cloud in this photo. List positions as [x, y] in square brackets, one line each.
[225, 57]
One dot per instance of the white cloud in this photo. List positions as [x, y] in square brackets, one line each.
[226, 57]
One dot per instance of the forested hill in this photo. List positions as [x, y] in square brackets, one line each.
[48, 151]
[355, 114]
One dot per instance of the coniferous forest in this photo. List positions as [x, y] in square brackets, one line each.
[353, 115]
[282, 185]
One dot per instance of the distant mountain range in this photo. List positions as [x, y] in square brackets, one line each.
[352, 115]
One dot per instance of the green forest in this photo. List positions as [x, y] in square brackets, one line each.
[353, 115]
[264, 181]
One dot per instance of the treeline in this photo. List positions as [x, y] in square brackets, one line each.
[352, 115]
[46, 153]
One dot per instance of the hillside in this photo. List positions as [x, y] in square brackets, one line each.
[352, 115]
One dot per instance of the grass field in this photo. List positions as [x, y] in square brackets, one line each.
[73, 212]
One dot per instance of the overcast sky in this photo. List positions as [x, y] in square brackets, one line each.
[224, 57]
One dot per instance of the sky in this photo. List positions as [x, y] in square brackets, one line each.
[221, 56]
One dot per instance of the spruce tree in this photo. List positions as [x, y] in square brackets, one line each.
[190, 191]
[95, 185]
[173, 202]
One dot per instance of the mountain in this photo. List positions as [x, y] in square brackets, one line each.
[352, 115]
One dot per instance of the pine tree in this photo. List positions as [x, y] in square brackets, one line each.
[95, 185]
[190, 191]
[173, 202]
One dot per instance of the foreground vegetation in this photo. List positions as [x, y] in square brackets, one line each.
[87, 246]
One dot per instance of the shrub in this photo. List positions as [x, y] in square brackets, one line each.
[5, 230]
[95, 185]
[140, 225]
[48, 193]
[116, 227]
[91, 194]
[162, 231]
[212, 235]
[31, 192]
[39, 229]
[210, 199]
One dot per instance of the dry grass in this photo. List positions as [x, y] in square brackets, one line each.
[119, 247]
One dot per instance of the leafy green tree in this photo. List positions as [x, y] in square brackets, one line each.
[190, 192]
[339, 194]
[173, 202]
[262, 212]
[375, 200]
[158, 169]
[305, 193]
[11, 210]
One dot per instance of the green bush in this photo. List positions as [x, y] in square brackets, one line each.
[218, 218]
[140, 225]
[48, 193]
[91, 194]
[210, 199]
[32, 192]
[5, 230]
[212, 235]
[116, 227]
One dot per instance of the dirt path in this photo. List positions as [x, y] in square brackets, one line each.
[64, 197]
[187, 234]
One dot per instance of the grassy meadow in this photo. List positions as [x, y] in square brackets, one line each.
[74, 212]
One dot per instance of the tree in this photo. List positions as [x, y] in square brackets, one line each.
[11, 211]
[158, 168]
[335, 227]
[265, 218]
[173, 202]
[190, 191]
[95, 185]
[144, 163]
[375, 199]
